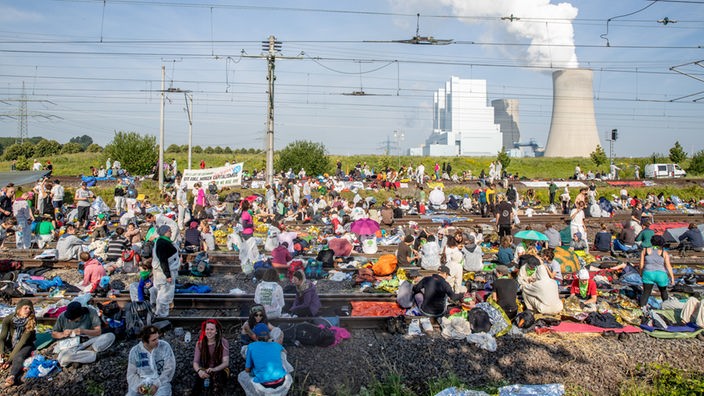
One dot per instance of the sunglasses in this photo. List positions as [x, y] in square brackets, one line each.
[259, 314]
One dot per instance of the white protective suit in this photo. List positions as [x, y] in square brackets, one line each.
[151, 368]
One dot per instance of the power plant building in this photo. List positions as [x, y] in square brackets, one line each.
[506, 115]
[573, 131]
[463, 122]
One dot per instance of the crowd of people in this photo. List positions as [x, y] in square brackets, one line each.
[187, 219]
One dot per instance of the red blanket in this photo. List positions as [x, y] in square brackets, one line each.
[626, 183]
[376, 308]
[659, 228]
[573, 327]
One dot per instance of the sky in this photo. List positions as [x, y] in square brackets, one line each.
[93, 68]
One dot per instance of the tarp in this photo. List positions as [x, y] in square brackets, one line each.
[660, 228]
[573, 327]
[560, 184]
[626, 183]
[21, 178]
[568, 260]
[673, 234]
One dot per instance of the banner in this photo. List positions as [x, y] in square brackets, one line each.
[224, 176]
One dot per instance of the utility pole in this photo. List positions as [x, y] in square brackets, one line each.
[22, 115]
[273, 47]
[160, 165]
[189, 111]
[272, 50]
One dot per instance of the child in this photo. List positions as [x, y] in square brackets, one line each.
[100, 230]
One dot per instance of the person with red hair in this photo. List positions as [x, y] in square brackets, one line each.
[211, 360]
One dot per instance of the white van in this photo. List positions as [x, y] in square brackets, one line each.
[657, 171]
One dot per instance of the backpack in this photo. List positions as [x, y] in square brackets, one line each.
[364, 274]
[137, 315]
[201, 265]
[314, 335]
[327, 257]
[130, 260]
[147, 249]
[212, 189]
[113, 318]
[10, 289]
[525, 319]
[314, 269]
[131, 191]
[386, 265]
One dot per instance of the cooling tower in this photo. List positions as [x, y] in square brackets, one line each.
[506, 115]
[573, 130]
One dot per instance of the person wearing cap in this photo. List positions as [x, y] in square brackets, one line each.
[69, 245]
[584, 287]
[505, 291]
[655, 269]
[84, 322]
[82, 198]
[432, 292]
[266, 371]
[165, 263]
[151, 365]
[17, 340]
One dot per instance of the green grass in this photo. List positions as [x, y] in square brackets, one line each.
[662, 379]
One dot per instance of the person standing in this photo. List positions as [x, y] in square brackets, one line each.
[57, 195]
[182, 203]
[82, 198]
[151, 365]
[165, 265]
[552, 189]
[24, 216]
[655, 269]
[119, 194]
[420, 174]
[504, 217]
[578, 221]
[17, 340]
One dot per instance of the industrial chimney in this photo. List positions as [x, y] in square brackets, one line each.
[573, 130]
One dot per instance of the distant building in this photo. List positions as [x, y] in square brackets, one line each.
[463, 122]
[506, 115]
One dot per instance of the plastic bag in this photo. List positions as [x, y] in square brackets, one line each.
[530, 390]
[453, 391]
[483, 340]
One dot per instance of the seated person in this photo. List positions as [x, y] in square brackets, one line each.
[280, 256]
[602, 240]
[270, 294]
[627, 236]
[541, 294]
[578, 243]
[211, 359]
[266, 370]
[151, 365]
[84, 322]
[473, 255]
[553, 266]
[6, 225]
[206, 236]
[257, 315]
[93, 272]
[46, 231]
[691, 239]
[584, 288]
[17, 340]
[192, 237]
[405, 253]
[506, 251]
[505, 291]
[307, 301]
[430, 254]
[432, 292]
[100, 230]
[69, 245]
[644, 237]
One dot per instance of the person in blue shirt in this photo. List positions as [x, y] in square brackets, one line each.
[264, 370]
[506, 251]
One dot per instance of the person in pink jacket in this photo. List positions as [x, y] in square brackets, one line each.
[93, 271]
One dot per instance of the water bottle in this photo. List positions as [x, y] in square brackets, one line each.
[206, 383]
[187, 337]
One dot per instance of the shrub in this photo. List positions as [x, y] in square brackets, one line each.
[17, 150]
[304, 154]
[136, 153]
[94, 148]
[71, 148]
[696, 165]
